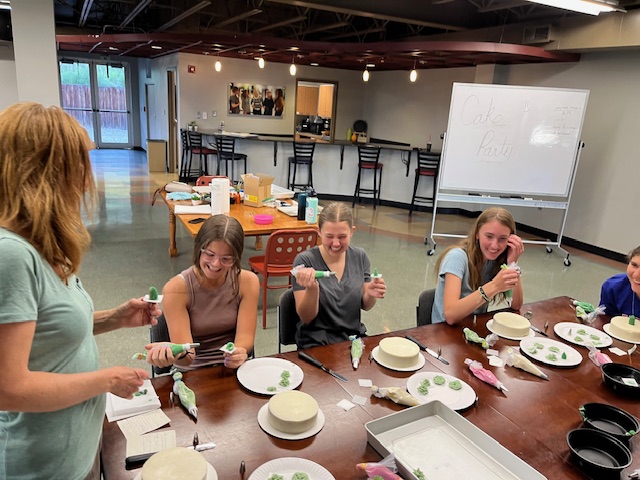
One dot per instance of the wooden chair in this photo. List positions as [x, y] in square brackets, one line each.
[227, 153]
[428, 166]
[288, 320]
[277, 261]
[206, 180]
[368, 159]
[424, 307]
[303, 156]
[197, 148]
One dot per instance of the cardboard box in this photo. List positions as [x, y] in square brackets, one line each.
[257, 188]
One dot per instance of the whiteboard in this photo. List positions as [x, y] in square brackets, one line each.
[515, 140]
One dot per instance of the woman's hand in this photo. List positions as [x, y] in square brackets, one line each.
[515, 248]
[125, 381]
[160, 354]
[305, 276]
[376, 288]
[137, 313]
[505, 279]
[235, 359]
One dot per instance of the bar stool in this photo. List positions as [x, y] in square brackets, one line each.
[185, 165]
[196, 147]
[428, 166]
[368, 159]
[302, 155]
[227, 153]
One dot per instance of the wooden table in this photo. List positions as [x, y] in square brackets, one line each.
[238, 211]
[532, 419]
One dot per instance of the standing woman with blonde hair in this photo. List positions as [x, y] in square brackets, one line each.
[470, 276]
[330, 308]
[52, 400]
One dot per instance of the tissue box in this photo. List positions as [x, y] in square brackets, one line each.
[257, 188]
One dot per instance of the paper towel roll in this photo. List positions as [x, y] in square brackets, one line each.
[219, 196]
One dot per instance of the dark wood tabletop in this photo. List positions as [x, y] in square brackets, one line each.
[531, 420]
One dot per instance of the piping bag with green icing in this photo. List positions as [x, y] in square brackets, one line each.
[185, 394]
[471, 336]
[319, 274]
[176, 349]
[357, 346]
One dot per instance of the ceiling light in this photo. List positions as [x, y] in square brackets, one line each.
[292, 68]
[261, 62]
[413, 76]
[113, 49]
[314, 64]
[590, 7]
[156, 47]
[217, 66]
[370, 65]
[365, 75]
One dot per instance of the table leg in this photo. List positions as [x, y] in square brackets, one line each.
[173, 250]
[259, 242]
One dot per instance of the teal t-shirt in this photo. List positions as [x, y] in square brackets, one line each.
[61, 444]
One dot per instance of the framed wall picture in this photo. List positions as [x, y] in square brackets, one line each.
[265, 101]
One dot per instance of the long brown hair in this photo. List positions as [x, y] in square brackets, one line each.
[223, 229]
[45, 179]
[472, 248]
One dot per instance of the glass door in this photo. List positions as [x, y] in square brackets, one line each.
[97, 95]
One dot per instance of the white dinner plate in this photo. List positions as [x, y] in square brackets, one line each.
[490, 328]
[454, 399]
[417, 366]
[263, 421]
[287, 466]
[211, 473]
[573, 356]
[261, 373]
[607, 328]
[569, 331]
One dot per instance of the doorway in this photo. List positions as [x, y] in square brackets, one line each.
[98, 95]
[316, 109]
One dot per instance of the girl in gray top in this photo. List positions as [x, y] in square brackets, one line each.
[329, 308]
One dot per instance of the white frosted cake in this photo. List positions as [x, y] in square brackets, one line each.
[175, 464]
[292, 412]
[398, 352]
[620, 328]
[510, 324]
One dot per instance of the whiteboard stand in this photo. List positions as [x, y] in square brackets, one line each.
[490, 200]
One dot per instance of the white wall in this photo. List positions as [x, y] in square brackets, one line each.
[9, 90]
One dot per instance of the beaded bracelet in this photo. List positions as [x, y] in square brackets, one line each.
[484, 295]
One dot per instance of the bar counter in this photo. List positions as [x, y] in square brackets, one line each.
[531, 420]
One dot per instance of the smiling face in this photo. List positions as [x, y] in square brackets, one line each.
[633, 272]
[215, 260]
[336, 237]
[492, 238]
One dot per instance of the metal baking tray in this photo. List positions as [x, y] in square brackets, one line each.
[444, 445]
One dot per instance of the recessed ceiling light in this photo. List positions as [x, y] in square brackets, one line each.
[314, 64]
[156, 47]
[113, 49]
[216, 45]
[294, 48]
[370, 65]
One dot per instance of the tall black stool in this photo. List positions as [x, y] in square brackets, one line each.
[302, 155]
[428, 166]
[196, 147]
[185, 164]
[368, 159]
[227, 153]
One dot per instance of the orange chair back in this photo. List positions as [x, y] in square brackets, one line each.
[206, 179]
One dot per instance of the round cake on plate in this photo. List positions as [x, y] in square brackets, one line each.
[292, 412]
[175, 463]
[510, 324]
[397, 352]
[621, 328]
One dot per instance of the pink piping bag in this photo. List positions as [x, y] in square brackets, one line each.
[385, 468]
[485, 375]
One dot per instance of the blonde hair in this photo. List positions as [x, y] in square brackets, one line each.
[335, 212]
[45, 179]
[472, 248]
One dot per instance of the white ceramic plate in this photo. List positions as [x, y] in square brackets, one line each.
[490, 328]
[607, 328]
[569, 331]
[260, 373]
[263, 421]
[573, 356]
[287, 466]
[417, 366]
[454, 399]
[211, 473]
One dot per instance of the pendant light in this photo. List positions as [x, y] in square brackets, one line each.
[261, 62]
[217, 66]
[292, 68]
[365, 75]
[413, 76]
